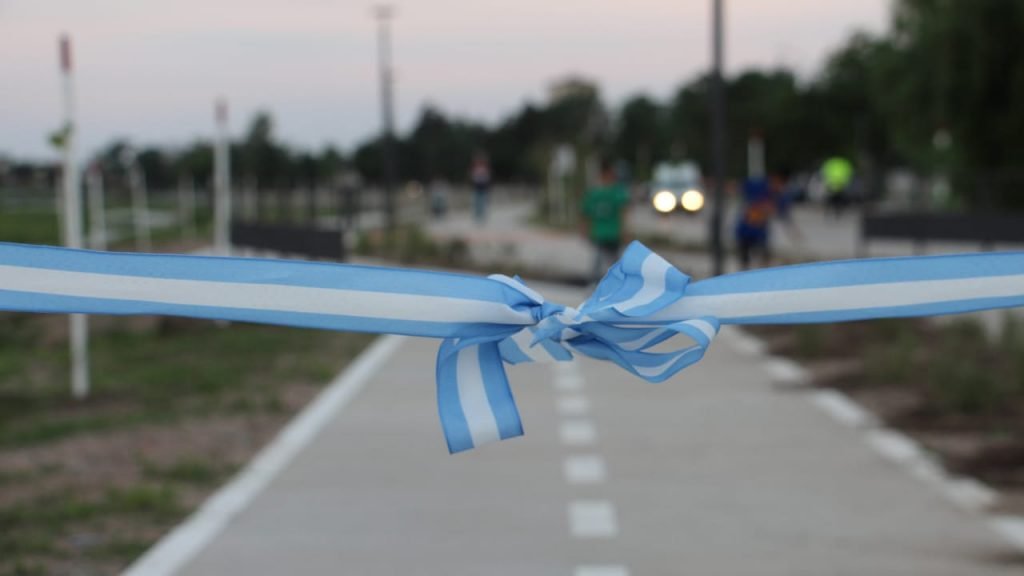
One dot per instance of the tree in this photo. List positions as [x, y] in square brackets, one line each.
[329, 164]
[441, 148]
[690, 121]
[640, 134]
[260, 156]
[575, 113]
[196, 162]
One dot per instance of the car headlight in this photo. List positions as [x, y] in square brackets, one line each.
[664, 201]
[692, 200]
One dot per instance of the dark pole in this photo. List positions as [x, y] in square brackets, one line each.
[383, 14]
[718, 151]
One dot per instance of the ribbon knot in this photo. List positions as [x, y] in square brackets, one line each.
[617, 323]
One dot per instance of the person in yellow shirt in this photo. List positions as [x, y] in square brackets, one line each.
[837, 173]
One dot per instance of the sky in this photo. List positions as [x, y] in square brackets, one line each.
[150, 70]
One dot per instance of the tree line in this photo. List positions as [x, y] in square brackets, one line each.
[940, 91]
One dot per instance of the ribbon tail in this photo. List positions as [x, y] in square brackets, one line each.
[656, 367]
[473, 396]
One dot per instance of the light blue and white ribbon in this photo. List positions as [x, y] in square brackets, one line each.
[640, 305]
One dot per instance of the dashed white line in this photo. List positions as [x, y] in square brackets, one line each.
[894, 446]
[573, 405]
[966, 493]
[785, 371]
[577, 432]
[609, 570]
[592, 519]
[839, 406]
[927, 471]
[584, 469]
[969, 494]
[1011, 528]
[569, 382]
[566, 367]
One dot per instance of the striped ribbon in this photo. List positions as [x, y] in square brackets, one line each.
[641, 304]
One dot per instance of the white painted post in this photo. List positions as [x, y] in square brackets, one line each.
[72, 212]
[97, 208]
[222, 184]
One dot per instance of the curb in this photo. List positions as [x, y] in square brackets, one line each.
[966, 493]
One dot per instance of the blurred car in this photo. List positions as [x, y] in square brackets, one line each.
[677, 187]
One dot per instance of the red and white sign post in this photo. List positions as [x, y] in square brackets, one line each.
[72, 225]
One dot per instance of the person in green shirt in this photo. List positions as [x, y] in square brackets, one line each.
[604, 212]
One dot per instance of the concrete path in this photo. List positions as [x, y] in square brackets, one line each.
[507, 234]
[715, 472]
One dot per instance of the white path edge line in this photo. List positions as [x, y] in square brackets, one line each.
[188, 539]
[601, 570]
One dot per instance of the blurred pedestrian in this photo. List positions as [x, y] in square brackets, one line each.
[604, 212]
[480, 177]
[759, 205]
[787, 190]
[837, 173]
[438, 194]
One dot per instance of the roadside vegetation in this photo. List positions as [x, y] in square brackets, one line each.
[176, 407]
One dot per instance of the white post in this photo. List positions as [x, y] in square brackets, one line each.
[222, 184]
[97, 209]
[72, 212]
[755, 157]
[140, 207]
[187, 206]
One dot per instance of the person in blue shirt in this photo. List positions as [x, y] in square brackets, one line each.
[760, 203]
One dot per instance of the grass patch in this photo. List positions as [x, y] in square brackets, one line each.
[30, 227]
[119, 548]
[179, 368]
[189, 470]
[149, 375]
[39, 528]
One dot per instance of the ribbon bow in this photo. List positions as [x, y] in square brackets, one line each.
[486, 322]
[474, 398]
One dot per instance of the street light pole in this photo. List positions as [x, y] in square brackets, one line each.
[718, 144]
[222, 181]
[383, 13]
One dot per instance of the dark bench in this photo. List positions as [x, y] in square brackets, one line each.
[290, 239]
[985, 229]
